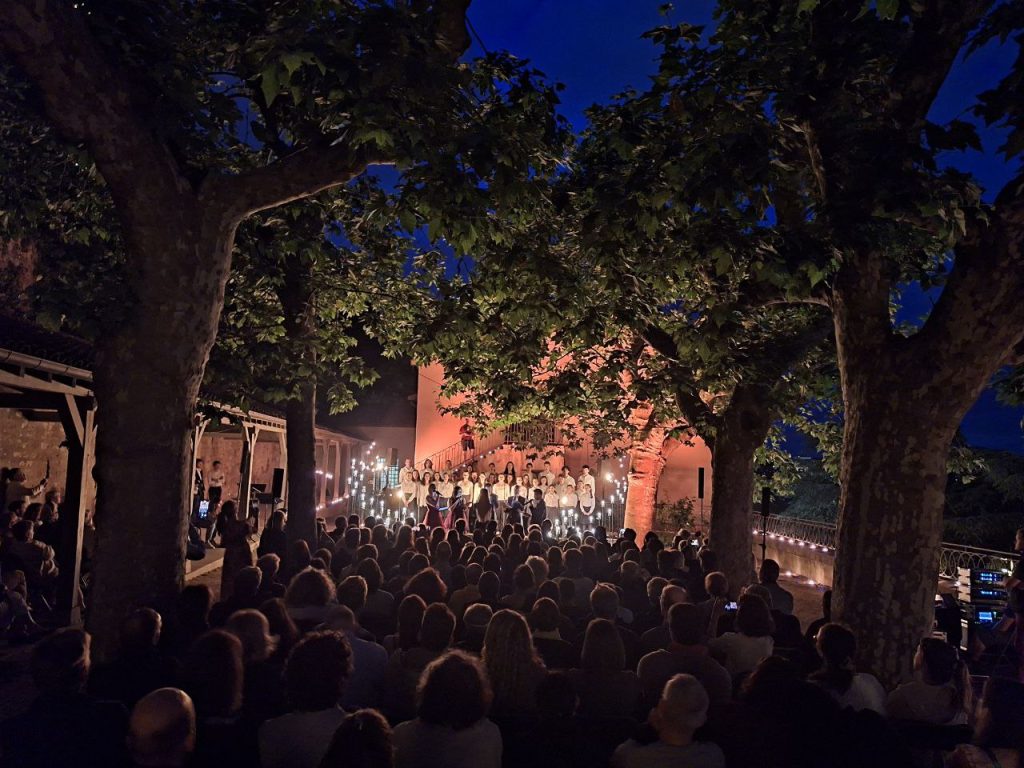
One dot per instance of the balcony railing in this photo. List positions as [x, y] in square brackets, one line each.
[822, 536]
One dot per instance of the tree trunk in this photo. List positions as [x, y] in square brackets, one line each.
[301, 422]
[741, 430]
[147, 380]
[296, 296]
[893, 480]
[646, 463]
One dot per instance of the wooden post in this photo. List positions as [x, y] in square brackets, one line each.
[250, 433]
[77, 416]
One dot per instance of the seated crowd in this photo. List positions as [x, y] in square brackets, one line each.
[424, 647]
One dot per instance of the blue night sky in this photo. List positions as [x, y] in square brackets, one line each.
[594, 48]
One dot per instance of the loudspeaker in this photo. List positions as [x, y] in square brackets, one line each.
[700, 482]
[393, 457]
[766, 501]
[277, 486]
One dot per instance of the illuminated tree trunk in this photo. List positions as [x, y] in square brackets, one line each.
[296, 296]
[741, 429]
[646, 463]
[147, 380]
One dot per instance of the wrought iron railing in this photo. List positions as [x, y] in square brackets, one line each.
[538, 433]
[822, 536]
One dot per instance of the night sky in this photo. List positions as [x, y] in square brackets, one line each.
[594, 48]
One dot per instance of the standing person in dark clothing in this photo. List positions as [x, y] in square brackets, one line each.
[537, 508]
[64, 726]
[234, 537]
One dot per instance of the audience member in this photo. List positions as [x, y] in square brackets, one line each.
[162, 730]
[657, 638]
[682, 709]
[857, 690]
[998, 735]
[451, 729]
[606, 686]
[742, 650]
[940, 693]
[139, 666]
[782, 600]
[64, 726]
[513, 666]
[363, 740]
[315, 676]
[687, 653]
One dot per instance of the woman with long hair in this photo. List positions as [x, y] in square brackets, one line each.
[606, 688]
[941, 690]
[998, 735]
[482, 508]
[513, 666]
[510, 470]
[409, 486]
[432, 502]
[423, 490]
[456, 508]
[838, 676]
[446, 487]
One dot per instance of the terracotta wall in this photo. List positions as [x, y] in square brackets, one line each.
[227, 448]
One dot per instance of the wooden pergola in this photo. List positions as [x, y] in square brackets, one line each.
[47, 377]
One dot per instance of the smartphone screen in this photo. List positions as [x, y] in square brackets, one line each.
[204, 510]
[731, 606]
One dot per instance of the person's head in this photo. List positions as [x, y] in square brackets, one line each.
[476, 619]
[229, 510]
[556, 697]
[508, 651]
[427, 584]
[604, 602]
[1000, 714]
[162, 729]
[753, 616]
[269, 565]
[523, 579]
[671, 594]
[316, 671]
[716, 584]
[453, 692]
[23, 530]
[309, 588]
[938, 663]
[61, 662]
[760, 590]
[193, 607]
[213, 674]
[826, 604]
[369, 571]
[603, 650]
[281, 624]
[769, 573]
[683, 707]
[363, 740]
[247, 582]
[140, 631]
[685, 625]
[200, 463]
[352, 593]
[253, 630]
[410, 618]
[1018, 540]
[437, 628]
[573, 562]
[545, 616]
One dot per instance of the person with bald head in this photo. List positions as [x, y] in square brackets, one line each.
[162, 729]
[659, 637]
[681, 710]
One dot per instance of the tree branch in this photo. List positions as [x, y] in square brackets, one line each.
[89, 102]
[301, 174]
[939, 32]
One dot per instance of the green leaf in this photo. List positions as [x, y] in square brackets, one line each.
[887, 9]
[270, 83]
[807, 6]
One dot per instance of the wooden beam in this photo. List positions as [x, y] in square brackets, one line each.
[73, 512]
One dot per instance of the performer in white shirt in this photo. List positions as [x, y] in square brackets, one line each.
[500, 491]
[423, 488]
[565, 481]
[552, 500]
[466, 484]
[406, 471]
[446, 486]
[570, 500]
[510, 470]
[585, 493]
[548, 474]
[410, 486]
[587, 479]
[521, 490]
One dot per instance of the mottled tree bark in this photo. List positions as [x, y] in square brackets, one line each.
[296, 296]
[646, 463]
[741, 429]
